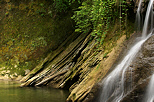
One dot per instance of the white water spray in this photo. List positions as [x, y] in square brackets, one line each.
[146, 21]
[113, 85]
[149, 97]
[138, 16]
[152, 13]
[150, 91]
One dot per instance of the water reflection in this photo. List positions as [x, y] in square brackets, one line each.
[10, 92]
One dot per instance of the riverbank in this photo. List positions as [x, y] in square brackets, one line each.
[11, 92]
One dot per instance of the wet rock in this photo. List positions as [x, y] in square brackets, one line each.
[142, 69]
[137, 93]
[143, 6]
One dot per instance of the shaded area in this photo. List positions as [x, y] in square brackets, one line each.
[11, 92]
[28, 33]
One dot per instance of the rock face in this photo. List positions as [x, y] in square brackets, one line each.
[142, 69]
[77, 67]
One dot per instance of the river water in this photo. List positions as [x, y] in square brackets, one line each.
[11, 92]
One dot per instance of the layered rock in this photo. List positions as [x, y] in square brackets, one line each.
[78, 67]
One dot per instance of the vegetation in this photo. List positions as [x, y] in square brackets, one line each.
[27, 28]
[99, 15]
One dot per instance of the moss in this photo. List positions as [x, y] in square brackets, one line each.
[27, 36]
[113, 34]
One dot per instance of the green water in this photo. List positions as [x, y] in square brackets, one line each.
[11, 92]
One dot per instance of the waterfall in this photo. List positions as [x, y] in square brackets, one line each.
[138, 17]
[113, 86]
[152, 13]
[146, 21]
[149, 97]
[150, 91]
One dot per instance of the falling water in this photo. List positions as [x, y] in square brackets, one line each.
[113, 84]
[145, 27]
[149, 97]
[150, 91]
[114, 88]
[138, 17]
[152, 13]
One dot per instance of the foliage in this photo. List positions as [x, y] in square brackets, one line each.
[32, 27]
[98, 15]
[27, 32]
[61, 5]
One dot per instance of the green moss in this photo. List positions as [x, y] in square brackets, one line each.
[28, 32]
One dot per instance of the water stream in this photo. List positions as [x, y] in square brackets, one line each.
[138, 17]
[114, 84]
[11, 92]
[147, 18]
[149, 97]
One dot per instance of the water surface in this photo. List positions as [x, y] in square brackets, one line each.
[11, 92]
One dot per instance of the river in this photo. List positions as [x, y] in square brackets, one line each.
[11, 92]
